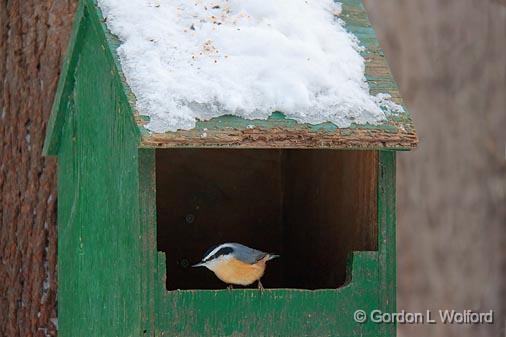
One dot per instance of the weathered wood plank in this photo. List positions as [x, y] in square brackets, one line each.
[108, 215]
[279, 312]
[386, 238]
[100, 251]
[65, 85]
[148, 229]
[279, 132]
[284, 137]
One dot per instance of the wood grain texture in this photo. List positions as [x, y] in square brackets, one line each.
[330, 210]
[147, 212]
[100, 241]
[312, 207]
[282, 137]
[211, 196]
[103, 245]
[397, 132]
[387, 173]
[33, 39]
[293, 312]
[282, 312]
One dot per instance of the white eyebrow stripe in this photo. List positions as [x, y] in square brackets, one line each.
[215, 250]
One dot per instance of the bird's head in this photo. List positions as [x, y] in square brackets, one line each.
[215, 255]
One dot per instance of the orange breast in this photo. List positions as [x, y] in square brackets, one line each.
[233, 271]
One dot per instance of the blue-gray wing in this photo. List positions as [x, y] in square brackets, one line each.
[247, 254]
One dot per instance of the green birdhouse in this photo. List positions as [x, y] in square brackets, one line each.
[137, 207]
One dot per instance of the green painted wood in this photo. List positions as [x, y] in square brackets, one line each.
[397, 132]
[111, 278]
[100, 251]
[63, 97]
[87, 15]
[278, 312]
[378, 77]
[386, 237]
[294, 312]
[147, 202]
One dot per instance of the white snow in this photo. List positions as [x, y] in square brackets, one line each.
[189, 60]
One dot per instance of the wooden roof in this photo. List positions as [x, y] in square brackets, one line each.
[278, 131]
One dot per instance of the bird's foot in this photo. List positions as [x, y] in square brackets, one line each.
[260, 286]
[230, 287]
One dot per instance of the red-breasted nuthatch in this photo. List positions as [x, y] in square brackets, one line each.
[236, 264]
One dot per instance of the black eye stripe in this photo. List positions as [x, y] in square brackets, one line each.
[222, 251]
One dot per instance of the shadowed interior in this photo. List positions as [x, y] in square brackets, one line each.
[313, 207]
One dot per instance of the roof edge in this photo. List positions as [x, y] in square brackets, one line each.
[87, 15]
[285, 138]
[397, 134]
[65, 85]
[111, 44]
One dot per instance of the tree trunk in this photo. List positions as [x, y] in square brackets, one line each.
[450, 60]
[33, 39]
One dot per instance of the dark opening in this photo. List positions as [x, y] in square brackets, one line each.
[312, 207]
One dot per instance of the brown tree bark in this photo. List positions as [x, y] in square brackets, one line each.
[33, 38]
[449, 58]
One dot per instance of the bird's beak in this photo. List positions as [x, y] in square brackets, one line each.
[272, 256]
[200, 264]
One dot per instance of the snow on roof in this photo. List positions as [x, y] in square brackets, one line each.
[194, 60]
